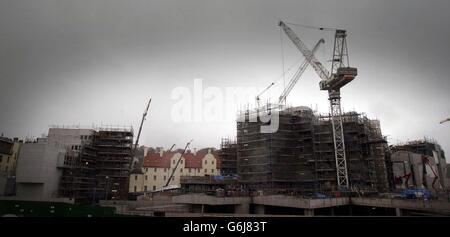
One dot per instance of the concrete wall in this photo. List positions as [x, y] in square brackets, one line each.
[37, 173]
[405, 162]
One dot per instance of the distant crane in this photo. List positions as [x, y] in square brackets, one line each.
[445, 120]
[178, 162]
[341, 74]
[140, 129]
[293, 81]
[262, 92]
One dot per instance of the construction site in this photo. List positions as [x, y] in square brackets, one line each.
[300, 157]
[101, 170]
[284, 160]
[302, 162]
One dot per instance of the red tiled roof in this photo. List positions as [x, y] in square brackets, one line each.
[155, 160]
[192, 161]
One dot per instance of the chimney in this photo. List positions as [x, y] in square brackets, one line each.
[161, 152]
[145, 151]
[195, 151]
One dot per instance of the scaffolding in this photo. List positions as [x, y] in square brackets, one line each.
[299, 157]
[228, 157]
[101, 169]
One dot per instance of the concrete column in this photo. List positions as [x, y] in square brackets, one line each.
[243, 208]
[398, 212]
[260, 209]
[309, 212]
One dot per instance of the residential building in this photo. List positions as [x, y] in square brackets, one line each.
[158, 167]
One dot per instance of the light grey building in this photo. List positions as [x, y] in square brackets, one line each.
[39, 164]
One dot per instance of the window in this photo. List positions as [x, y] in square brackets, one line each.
[154, 169]
[212, 162]
[135, 178]
[165, 169]
[173, 161]
[206, 162]
[173, 178]
[181, 162]
[145, 188]
[206, 171]
[190, 170]
[81, 137]
[135, 188]
[146, 169]
[154, 177]
[164, 177]
[212, 170]
[154, 188]
[7, 160]
[198, 170]
[146, 177]
[181, 170]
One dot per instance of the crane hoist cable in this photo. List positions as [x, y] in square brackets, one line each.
[282, 58]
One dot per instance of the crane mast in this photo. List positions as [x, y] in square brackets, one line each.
[144, 115]
[341, 74]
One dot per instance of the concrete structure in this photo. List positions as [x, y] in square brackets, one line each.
[157, 168]
[278, 205]
[418, 158]
[40, 162]
[37, 170]
[410, 171]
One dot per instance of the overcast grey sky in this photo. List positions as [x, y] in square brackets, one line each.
[97, 61]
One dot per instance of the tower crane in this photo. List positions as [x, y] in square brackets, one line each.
[294, 79]
[144, 115]
[297, 75]
[341, 74]
[262, 92]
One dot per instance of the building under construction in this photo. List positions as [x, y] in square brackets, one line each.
[420, 158]
[228, 157]
[299, 157]
[101, 170]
